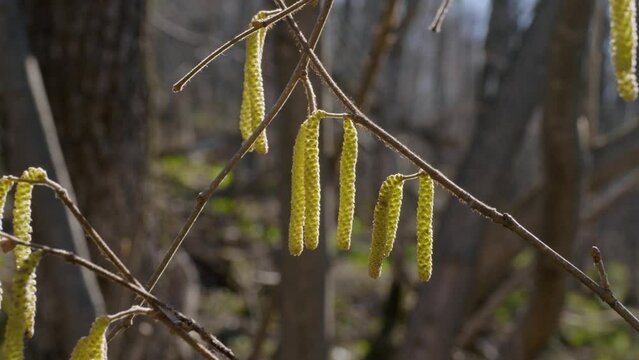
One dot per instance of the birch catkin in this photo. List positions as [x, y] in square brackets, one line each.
[380, 224]
[623, 41]
[252, 109]
[394, 208]
[312, 181]
[5, 186]
[347, 167]
[425, 227]
[94, 345]
[298, 202]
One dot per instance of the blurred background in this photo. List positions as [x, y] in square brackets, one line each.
[515, 100]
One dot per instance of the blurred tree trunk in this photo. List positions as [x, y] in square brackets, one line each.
[505, 108]
[303, 290]
[70, 295]
[562, 171]
[93, 65]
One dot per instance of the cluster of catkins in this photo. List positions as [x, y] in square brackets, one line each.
[623, 43]
[252, 109]
[305, 201]
[21, 308]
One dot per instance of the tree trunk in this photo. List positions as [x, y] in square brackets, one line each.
[442, 304]
[562, 170]
[303, 290]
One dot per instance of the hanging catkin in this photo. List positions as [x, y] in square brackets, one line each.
[380, 223]
[425, 227]
[22, 211]
[94, 345]
[623, 41]
[252, 110]
[22, 311]
[394, 208]
[312, 181]
[298, 202]
[347, 165]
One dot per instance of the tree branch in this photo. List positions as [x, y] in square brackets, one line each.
[503, 219]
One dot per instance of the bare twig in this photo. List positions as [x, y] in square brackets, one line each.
[383, 40]
[165, 313]
[504, 219]
[256, 25]
[436, 25]
[133, 310]
[103, 247]
[601, 269]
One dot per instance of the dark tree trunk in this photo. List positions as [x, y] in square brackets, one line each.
[562, 171]
[442, 303]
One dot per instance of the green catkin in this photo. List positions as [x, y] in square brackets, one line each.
[347, 165]
[394, 209]
[623, 41]
[380, 224]
[22, 211]
[296, 224]
[94, 345]
[22, 312]
[252, 110]
[425, 227]
[312, 181]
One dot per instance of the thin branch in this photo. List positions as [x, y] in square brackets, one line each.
[383, 40]
[256, 25]
[63, 195]
[165, 312]
[436, 25]
[310, 93]
[504, 219]
[133, 310]
[205, 195]
[601, 269]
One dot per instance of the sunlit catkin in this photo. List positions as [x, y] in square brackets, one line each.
[394, 208]
[623, 41]
[94, 345]
[425, 227]
[22, 211]
[22, 310]
[347, 164]
[380, 224]
[312, 181]
[296, 224]
[252, 109]
[24, 291]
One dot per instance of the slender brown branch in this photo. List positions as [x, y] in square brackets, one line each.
[256, 25]
[383, 40]
[165, 313]
[133, 310]
[601, 269]
[310, 93]
[63, 195]
[504, 219]
[436, 25]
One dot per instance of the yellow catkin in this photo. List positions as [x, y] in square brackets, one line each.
[296, 224]
[22, 312]
[623, 41]
[252, 110]
[425, 227]
[22, 211]
[94, 345]
[394, 209]
[347, 167]
[312, 187]
[380, 224]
